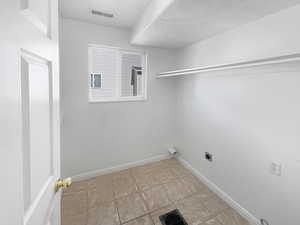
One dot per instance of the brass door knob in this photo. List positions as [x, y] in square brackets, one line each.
[62, 183]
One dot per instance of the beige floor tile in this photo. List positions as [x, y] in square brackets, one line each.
[125, 187]
[123, 174]
[172, 162]
[93, 197]
[157, 165]
[155, 215]
[152, 174]
[92, 218]
[92, 183]
[231, 217]
[131, 207]
[145, 220]
[181, 172]
[205, 193]
[104, 179]
[215, 204]
[146, 181]
[177, 190]
[213, 221]
[124, 184]
[104, 214]
[142, 170]
[193, 183]
[155, 198]
[98, 196]
[92, 193]
[100, 191]
[163, 186]
[148, 168]
[79, 219]
[138, 173]
[74, 203]
[193, 210]
[164, 175]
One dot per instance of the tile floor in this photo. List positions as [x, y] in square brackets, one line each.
[138, 196]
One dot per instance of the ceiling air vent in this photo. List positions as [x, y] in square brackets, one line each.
[99, 13]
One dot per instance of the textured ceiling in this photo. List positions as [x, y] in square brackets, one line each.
[181, 23]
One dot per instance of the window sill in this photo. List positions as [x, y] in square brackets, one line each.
[130, 99]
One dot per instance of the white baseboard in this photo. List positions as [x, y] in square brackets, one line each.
[212, 186]
[94, 173]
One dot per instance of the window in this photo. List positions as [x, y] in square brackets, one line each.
[116, 74]
[95, 80]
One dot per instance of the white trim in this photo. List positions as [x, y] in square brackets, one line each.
[145, 81]
[91, 174]
[35, 203]
[122, 99]
[218, 191]
[137, 51]
[34, 19]
[33, 58]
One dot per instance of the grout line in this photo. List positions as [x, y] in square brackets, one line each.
[223, 196]
[151, 219]
[146, 214]
[87, 207]
[117, 208]
[140, 191]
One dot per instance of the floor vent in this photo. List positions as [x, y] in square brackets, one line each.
[172, 218]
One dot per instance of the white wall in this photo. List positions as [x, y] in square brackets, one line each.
[246, 118]
[102, 135]
[271, 36]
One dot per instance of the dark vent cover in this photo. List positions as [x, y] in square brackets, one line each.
[99, 13]
[172, 218]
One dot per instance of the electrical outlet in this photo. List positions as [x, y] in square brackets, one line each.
[208, 156]
[275, 168]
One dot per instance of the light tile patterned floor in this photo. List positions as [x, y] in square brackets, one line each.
[138, 196]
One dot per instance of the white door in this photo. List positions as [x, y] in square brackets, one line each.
[29, 112]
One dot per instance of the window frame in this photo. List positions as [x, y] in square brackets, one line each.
[144, 56]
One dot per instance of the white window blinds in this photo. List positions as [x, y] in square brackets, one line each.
[104, 62]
